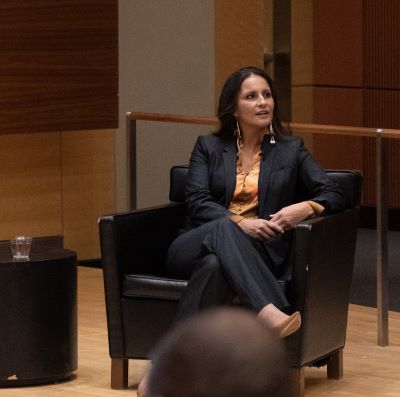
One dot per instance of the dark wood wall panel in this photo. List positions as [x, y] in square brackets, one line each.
[369, 157]
[369, 171]
[337, 39]
[338, 80]
[394, 173]
[382, 44]
[58, 65]
[381, 110]
[382, 89]
[338, 106]
[357, 45]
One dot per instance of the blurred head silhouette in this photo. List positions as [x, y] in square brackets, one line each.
[222, 352]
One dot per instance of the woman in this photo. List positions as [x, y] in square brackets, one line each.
[249, 185]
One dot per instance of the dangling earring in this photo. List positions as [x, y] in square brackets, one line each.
[238, 132]
[272, 135]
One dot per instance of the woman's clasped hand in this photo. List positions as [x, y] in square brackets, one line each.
[261, 229]
[289, 217]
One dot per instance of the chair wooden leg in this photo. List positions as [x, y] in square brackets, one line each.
[119, 373]
[335, 365]
[298, 382]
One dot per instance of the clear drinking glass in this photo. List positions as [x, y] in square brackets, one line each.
[20, 247]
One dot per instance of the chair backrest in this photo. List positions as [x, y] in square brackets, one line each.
[178, 175]
[350, 181]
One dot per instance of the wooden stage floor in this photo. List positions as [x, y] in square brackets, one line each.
[369, 370]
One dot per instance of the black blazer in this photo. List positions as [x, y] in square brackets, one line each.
[288, 174]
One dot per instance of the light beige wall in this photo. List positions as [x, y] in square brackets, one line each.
[166, 65]
[173, 58]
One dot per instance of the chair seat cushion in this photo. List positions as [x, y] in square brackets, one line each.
[152, 287]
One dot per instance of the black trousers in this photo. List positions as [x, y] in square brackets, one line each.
[221, 262]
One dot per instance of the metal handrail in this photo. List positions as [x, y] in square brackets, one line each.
[382, 170]
[324, 129]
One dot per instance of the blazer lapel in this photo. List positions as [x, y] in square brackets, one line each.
[268, 155]
[229, 155]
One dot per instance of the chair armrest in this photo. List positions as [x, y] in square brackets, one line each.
[324, 249]
[137, 241]
[133, 242]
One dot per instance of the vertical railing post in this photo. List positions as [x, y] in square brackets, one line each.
[382, 282]
[131, 144]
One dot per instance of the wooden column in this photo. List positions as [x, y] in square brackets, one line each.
[238, 37]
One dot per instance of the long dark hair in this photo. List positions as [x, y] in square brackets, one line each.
[229, 96]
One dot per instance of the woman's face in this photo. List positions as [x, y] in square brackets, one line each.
[255, 105]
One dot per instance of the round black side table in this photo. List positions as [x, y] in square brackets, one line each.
[38, 312]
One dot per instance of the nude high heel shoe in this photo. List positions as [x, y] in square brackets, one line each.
[289, 326]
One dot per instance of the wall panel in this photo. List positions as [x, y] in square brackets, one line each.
[58, 72]
[88, 186]
[338, 43]
[58, 65]
[381, 110]
[166, 65]
[382, 89]
[358, 48]
[30, 185]
[336, 74]
[382, 44]
[57, 183]
[302, 43]
[303, 110]
[238, 37]
[338, 106]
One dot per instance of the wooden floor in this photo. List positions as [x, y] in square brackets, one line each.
[368, 370]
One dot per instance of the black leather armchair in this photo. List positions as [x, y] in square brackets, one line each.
[141, 301]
